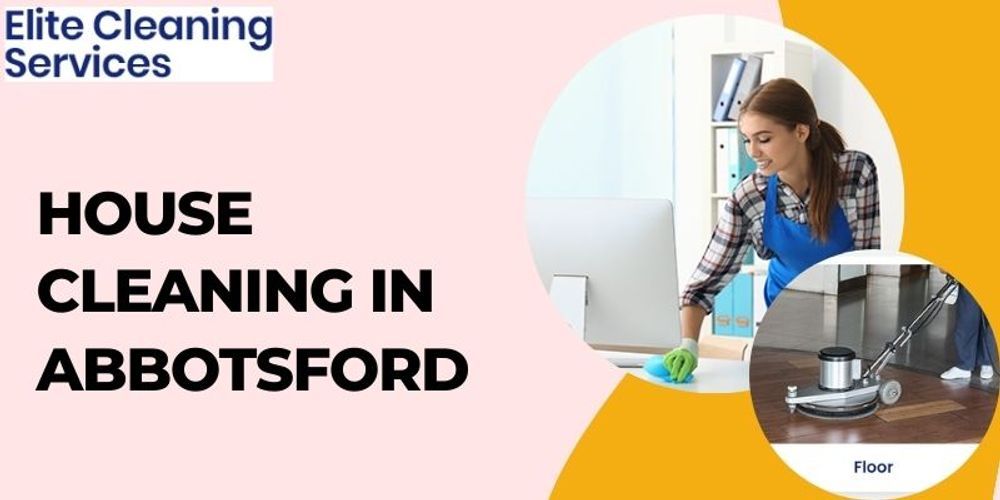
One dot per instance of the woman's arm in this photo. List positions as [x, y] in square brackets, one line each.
[869, 211]
[719, 264]
[691, 319]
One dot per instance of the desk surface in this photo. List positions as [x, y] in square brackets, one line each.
[712, 375]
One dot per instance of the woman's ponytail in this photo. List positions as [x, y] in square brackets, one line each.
[825, 144]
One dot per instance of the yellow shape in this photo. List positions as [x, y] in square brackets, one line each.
[652, 440]
[932, 70]
[930, 67]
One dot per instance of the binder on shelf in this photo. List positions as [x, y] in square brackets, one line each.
[725, 100]
[723, 159]
[722, 312]
[743, 320]
[749, 79]
[738, 162]
[733, 314]
[732, 165]
[745, 164]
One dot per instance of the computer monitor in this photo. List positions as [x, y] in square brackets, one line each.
[625, 248]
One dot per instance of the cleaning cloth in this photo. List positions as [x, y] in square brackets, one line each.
[655, 367]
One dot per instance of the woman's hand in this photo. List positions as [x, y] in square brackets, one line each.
[681, 361]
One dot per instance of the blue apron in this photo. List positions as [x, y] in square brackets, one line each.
[794, 247]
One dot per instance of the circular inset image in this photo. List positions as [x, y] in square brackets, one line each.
[872, 374]
[686, 174]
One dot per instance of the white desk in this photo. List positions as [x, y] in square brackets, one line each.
[712, 375]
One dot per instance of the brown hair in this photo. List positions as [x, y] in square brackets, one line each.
[786, 102]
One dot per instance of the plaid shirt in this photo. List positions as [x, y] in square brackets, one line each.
[741, 224]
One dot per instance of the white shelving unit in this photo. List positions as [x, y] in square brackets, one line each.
[780, 59]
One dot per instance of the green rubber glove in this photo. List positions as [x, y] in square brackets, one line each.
[681, 361]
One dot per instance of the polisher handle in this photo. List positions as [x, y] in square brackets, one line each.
[927, 314]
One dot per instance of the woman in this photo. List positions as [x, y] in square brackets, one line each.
[809, 199]
[974, 342]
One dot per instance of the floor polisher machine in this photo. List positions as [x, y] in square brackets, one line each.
[845, 391]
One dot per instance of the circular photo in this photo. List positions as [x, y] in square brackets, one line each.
[686, 175]
[874, 373]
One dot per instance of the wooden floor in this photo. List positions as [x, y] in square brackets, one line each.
[930, 410]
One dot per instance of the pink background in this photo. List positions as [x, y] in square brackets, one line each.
[394, 135]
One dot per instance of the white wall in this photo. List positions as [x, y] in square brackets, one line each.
[609, 134]
[842, 100]
[885, 270]
[692, 159]
[814, 279]
[851, 271]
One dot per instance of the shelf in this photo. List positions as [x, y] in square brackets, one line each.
[738, 49]
[780, 58]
